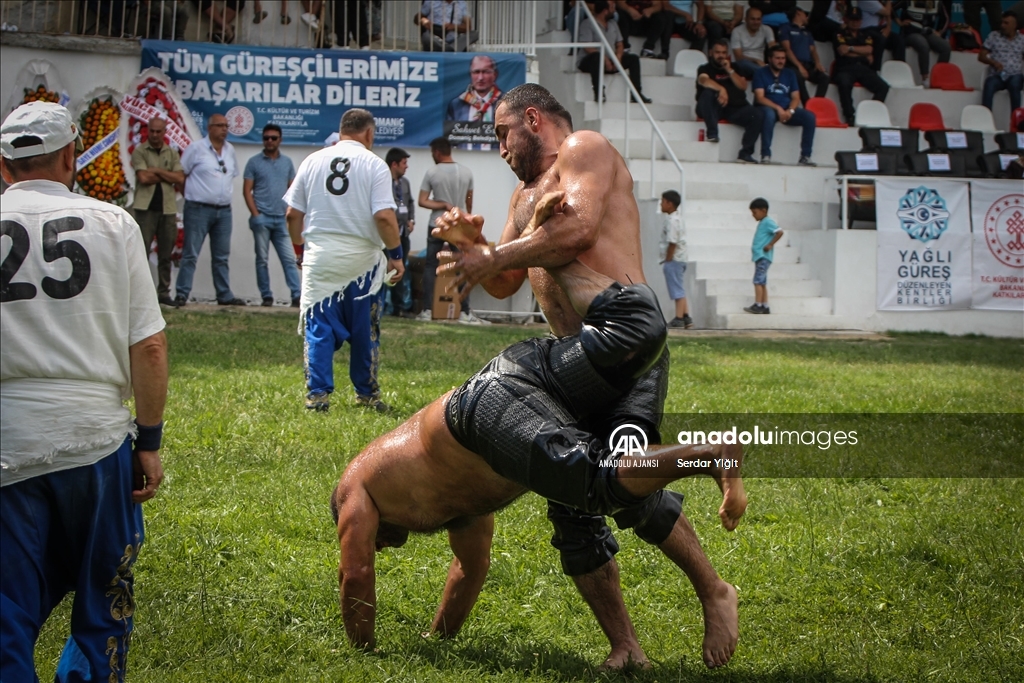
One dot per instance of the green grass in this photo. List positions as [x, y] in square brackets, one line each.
[839, 580]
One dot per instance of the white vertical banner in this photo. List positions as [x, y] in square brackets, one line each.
[924, 244]
[997, 281]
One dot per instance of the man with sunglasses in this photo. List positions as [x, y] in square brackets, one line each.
[210, 169]
[266, 179]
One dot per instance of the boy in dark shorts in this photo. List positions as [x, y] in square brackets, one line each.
[767, 234]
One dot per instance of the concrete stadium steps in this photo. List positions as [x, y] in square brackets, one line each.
[742, 287]
[777, 182]
[734, 270]
[733, 214]
[617, 110]
[782, 305]
[778, 321]
[662, 89]
[735, 253]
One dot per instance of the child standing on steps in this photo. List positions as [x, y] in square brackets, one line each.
[767, 234]
[672, 254]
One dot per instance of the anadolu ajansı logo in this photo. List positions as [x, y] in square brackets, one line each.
[923, 214]
[628, 440]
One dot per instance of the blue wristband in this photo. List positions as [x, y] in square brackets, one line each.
[396, 253]
[149, 437]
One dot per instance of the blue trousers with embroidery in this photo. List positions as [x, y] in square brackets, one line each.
[74, 530]
[332, 322]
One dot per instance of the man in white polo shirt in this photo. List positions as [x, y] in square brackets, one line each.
[210, 170]
[345, 190]
[81, 332]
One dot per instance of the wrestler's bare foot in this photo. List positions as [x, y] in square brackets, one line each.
[734, 497]
[721, 625]
[623, 658]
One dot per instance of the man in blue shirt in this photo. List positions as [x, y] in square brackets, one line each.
[266, 179]
[802, 54]
[777, 94]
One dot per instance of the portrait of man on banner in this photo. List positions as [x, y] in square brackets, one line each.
[475, 106]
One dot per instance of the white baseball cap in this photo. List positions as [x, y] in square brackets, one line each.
[47, 121]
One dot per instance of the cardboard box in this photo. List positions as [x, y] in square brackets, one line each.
[446, 304]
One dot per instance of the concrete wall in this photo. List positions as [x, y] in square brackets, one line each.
[88, 67]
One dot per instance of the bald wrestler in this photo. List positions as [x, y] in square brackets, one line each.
[512, 427]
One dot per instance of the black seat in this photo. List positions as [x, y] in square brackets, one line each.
[883, 140]
[1010, 142]
[967, 144]
[920, 164]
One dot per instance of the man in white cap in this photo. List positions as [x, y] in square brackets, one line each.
[81, 332]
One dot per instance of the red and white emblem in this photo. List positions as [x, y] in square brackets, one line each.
[240, 120]
[1004, 230]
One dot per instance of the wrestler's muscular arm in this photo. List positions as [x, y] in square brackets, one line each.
[358, 519]
[472, 547]
[586, 170]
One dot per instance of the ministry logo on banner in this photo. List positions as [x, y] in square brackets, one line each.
[924, 256]
[997, 207]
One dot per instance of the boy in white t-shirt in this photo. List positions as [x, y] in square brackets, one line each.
[672, 256]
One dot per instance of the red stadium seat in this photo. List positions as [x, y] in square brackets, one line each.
[1017, 120]
[947, 76]
[926, 116]
[825, 112]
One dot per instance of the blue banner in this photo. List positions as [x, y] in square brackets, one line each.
[305, 92]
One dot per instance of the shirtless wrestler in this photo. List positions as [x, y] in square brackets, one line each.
[442, 468]
[599, 225]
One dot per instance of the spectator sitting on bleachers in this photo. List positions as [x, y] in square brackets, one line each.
[645, 18]
[774, 13]
[854, 55]
[922, 22]
[589, 59]
[720, 18]
[222, 18]
[802, 55]
[878, 22]
[688, 16]
[445, 26]
[826, 20]
[777, 95]
[1003, 53]
[749, 43]
[721, 94]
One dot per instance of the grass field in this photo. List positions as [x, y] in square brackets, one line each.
[839, 579]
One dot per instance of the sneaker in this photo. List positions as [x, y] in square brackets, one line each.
[320, 401]
[687, 321]
[643, 98]
[648, 53]
[373, 402]
[233, 302]
[268, 301]
[426, 315]
[258, 17]
[746, 159]
[806, 161]
[753, 308]
[662, 55]
[677, 323]
[296, 302]
[167, 301]
[311, 20]
[285, 19]
[471, 319]
[711, 138]
[180, 301]
[765, 310]
[766, 160]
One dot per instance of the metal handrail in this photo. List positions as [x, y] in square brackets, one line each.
[631, 90]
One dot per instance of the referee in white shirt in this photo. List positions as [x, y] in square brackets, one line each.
[345, 190]
[81, 333]
[210, 169]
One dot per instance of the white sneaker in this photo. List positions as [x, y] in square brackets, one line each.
[470, 319]
[425, 315]
[311, 20]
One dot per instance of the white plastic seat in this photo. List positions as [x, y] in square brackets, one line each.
[898, 75]
[977, 117]
[873, 114]
[687, 62]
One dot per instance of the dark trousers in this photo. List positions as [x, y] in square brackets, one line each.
[591, 64]
[401, 293]
[857, 73]
[163, 226]
[658, 25]
[748, 116]
[434, 246]
[686, 33]
[972, 14]
[818, 78]
[894, 42]
[352, 21]
[826, 31]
